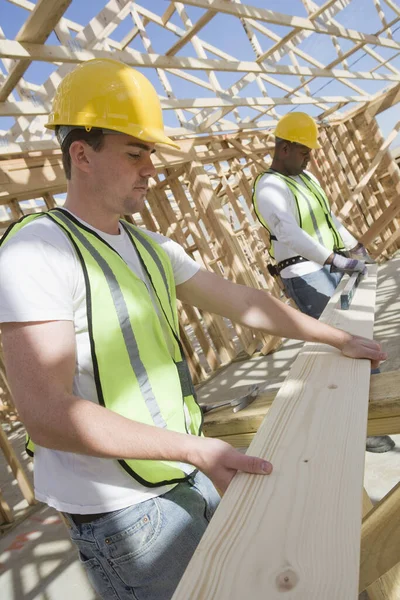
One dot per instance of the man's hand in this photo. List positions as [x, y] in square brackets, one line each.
[359, 252]
[359, 347]
[341, 264]
[220, 461]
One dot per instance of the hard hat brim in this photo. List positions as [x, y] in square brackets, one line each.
[153, 135]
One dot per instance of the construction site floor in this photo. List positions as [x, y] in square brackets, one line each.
[37, 559]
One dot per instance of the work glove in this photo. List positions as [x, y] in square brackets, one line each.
[360, 253]
[341, 264]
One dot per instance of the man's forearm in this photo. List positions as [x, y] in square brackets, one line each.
[83, 427]
[266, 313]
[256, 309]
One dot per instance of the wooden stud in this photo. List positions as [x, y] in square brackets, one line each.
[16, 468]
[388, 586]
[6, 514]
[380, 550]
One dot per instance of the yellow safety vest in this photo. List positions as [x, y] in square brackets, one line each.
[313, 209]
[134, 372]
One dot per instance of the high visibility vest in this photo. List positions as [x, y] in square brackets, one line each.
[134, 372]
[313, 209]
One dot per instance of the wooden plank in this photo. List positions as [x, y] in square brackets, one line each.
[386, 426]
[202, 22]
[388, 586]
[16, 468]
[28, 108]
[64, 54]
[380, 548]
[297, 530]
[378, 104]
[383, 409]
[6, 514]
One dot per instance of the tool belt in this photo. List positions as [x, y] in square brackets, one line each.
[289, 262]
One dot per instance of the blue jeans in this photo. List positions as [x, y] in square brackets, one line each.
[141, 552]
[313, 291]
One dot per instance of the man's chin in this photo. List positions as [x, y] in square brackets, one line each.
[135, 205]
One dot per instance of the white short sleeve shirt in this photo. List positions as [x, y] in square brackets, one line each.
[41, 280]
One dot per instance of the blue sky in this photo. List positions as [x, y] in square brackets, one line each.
[227, 33]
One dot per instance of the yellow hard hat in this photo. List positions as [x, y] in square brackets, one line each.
[107, 94]
[298, 127]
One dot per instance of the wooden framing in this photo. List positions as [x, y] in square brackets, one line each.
[201, 196]
[203, 114]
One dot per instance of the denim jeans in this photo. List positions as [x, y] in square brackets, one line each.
[141, 552]
[313, 291]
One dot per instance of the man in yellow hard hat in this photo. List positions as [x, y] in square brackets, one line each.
[91, 341]
[310, 245]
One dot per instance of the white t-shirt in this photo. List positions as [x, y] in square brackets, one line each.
[41, 279]
[277, 206]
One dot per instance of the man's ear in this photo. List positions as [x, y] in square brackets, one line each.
[285, 148]
[80, 153]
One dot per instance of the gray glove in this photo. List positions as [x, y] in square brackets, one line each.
[341, 264]
[360, 253]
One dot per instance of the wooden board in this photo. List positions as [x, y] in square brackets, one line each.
[383, 411]
[388, 586]
[297, 532]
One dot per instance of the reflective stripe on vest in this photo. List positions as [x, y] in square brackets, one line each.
[134, 372]
[313, 211]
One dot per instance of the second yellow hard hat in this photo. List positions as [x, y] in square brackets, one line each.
[298, 127]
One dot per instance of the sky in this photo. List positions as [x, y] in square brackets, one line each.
[227, 33]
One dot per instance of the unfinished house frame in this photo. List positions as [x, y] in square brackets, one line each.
[202, 194]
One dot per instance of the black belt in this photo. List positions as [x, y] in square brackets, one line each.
[79, 519]
[289, 262]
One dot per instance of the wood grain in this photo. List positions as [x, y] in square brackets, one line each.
[298, 531]
[383, 411]
[388, 586]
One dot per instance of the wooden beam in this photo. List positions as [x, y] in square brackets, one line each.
[16, 468]
[388, 586]
[36, 28]
[31, 176]
[380, 548]
[31, 6]
[381, 102]
[395, 7]
[63, 54]
[384, 406]
[186, 37]
[298, 530]
[6, 514]
[27, 108]
[269, 16]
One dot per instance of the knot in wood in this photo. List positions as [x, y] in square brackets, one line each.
[287, 580]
